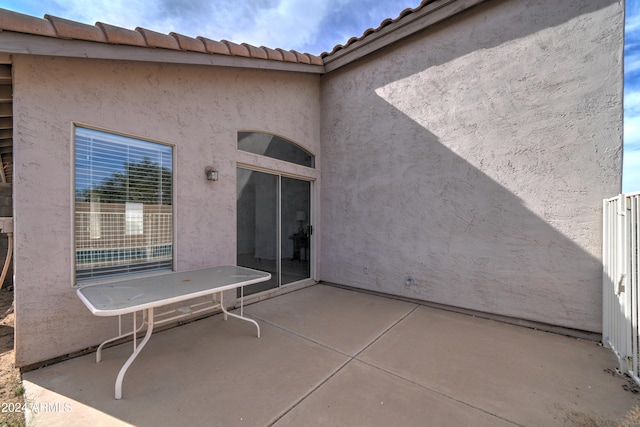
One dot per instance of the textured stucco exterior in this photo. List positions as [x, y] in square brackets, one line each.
[466, 165]
[197, 109]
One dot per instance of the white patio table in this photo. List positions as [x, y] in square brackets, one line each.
[146, 293]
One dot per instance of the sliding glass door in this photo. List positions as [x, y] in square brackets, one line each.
[274, 227]
[295, 230]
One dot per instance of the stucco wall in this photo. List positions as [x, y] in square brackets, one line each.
[198, 109]
[474, 157]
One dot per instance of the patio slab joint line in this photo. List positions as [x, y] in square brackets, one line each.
[299, 335]
[446, 396]
[334, 373]
[418, 384]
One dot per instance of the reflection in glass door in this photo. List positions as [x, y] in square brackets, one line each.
[295, 207]
[273, 223]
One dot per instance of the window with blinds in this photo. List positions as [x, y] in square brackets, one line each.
[123, 205]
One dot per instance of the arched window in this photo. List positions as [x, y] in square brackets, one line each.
[275, 147]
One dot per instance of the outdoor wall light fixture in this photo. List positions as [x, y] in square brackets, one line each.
[211, 173]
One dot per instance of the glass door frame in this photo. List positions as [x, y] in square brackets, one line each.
[311, 223]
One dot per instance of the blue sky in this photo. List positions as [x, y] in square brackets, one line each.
[631, 164]
[312, 26]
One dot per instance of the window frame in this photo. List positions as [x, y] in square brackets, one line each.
[281, 140]
[117, 275]
[284, 169]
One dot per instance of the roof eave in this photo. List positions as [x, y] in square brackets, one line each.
[425, 17]
[28, 44]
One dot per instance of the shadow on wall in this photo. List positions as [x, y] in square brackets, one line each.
[426, 143]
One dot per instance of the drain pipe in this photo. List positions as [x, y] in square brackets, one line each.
[7, 261]
[6, 227]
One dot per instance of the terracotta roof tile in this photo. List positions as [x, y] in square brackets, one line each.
[236, 49]
[256, 52]
[287, 56]
[410, 10]
[274, 54]
[214, 46]
[62, 28]
[67, 29]
[301, 57]
[188, 43]
[367, 32]
[119, 35]
[386, 22]
[13, 21]
[155, 39]
[315, 59]
[383, 24]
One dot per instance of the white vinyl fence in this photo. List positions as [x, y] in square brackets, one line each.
[114, 243]
[621, 242]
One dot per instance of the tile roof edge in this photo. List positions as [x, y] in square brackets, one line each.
[61, 28]
[409, 21]
[123, 36]
[256, 52]
[156, 39]
[386, 22]
[21, 23]
[273, 54]
[287, 55]
[65, 29]
[237, 49]
[188, 43]
[215, 46]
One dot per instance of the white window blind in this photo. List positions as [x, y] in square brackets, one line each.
[123, 205]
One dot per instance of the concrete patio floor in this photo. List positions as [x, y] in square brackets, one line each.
[335, 357]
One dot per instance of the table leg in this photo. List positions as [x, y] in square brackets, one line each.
[120, 335]
[136, 350]
[241, 317]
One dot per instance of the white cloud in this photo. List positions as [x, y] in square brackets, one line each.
[631, 63]
[189, 18]
[116, 12]
[632, 21]
[288, 24]
[305, 25]
[632, 134]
